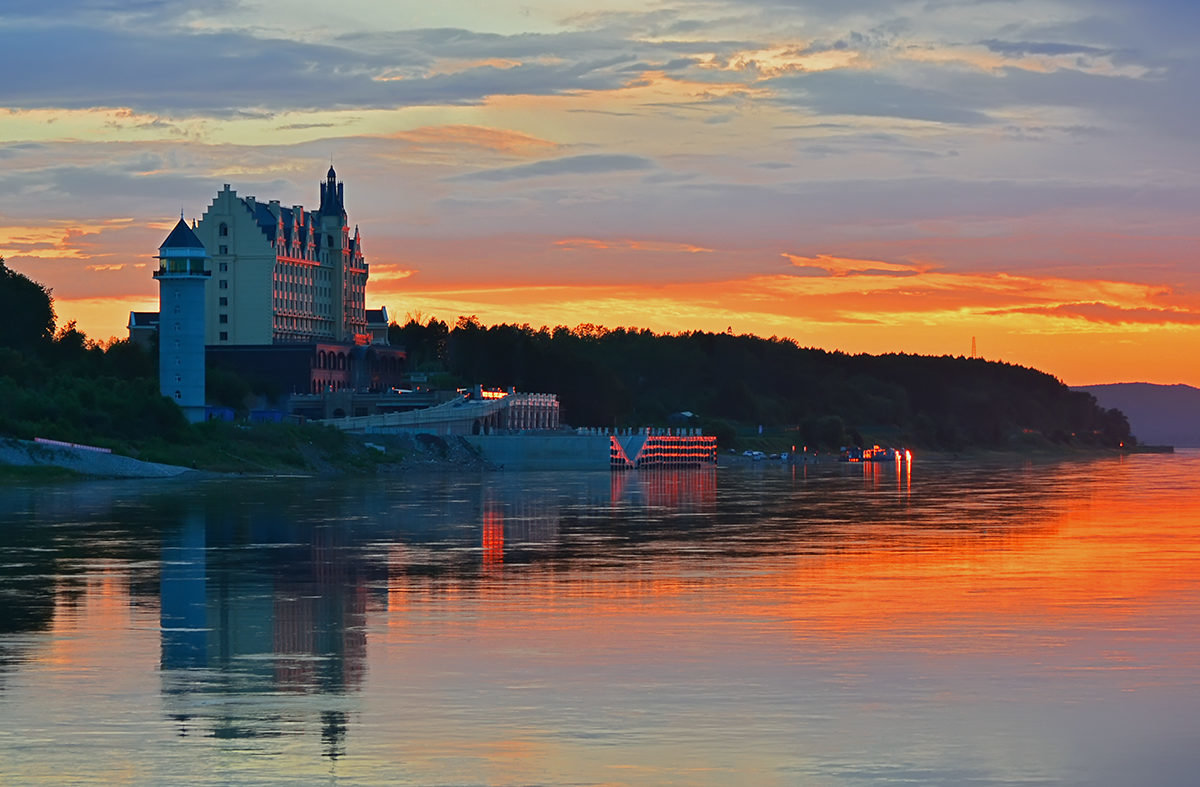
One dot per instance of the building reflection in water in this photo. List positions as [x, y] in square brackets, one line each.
[520, 523]
[291, 621]
[263, 608]
[684, 490]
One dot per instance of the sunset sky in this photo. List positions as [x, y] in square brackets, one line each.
[862, 175]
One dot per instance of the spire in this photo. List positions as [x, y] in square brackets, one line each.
[332, 196]
[182, 237]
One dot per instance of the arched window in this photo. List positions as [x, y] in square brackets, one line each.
[223, 230]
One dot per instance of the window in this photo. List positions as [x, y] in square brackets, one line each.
[223, 301]
[223, 319]
[223, 284]
[224, 336]
[224, 265]
[223, 231]
[178, 395]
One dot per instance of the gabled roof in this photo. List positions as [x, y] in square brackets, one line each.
[182, 237]
[143, 319]
[264, 218]
[269, 224]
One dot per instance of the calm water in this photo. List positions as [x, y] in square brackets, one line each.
[956, 624]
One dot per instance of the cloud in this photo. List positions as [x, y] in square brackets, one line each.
[157, 72]
[846, 92]
[1018, 48]
[304, 126]
[588, 164]
[467, 136]
[1109, 314]
[840, 266]
[571, 244]
[390, 273]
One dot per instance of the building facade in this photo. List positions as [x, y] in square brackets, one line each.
[284, 275]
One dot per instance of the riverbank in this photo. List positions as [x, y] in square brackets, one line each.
[25, 458]
[263, 451]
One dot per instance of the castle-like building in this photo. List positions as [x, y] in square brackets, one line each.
[286, 298]
[284, 275]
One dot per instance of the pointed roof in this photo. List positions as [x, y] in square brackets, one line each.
[331, 174]
[182, 237]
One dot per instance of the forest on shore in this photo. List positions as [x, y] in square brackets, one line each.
[59, 384]
[734, 384]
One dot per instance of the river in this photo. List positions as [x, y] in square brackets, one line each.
[945, 623]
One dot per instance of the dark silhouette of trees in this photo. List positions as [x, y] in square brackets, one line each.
[631, 377]
[28, 312]
[62, 385]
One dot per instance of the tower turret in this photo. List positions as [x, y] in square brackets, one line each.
[333, 201]
[182, 273]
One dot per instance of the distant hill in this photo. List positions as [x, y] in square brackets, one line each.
[1158, 414]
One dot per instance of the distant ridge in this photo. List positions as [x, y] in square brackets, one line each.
[1158, 414]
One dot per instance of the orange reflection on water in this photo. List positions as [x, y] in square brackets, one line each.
[1083, 556]
[493, 536]
[91, 619]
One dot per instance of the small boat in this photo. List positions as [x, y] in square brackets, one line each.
[875, 454]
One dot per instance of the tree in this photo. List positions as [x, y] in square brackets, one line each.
[28, 311]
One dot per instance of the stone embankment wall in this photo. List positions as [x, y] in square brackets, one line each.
[549, 452]
[24, 453]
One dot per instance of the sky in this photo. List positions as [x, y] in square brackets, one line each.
[866, 175]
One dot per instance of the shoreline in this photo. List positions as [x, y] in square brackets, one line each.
[25, 459]
[83, 462]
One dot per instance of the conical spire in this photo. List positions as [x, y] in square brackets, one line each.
[182, 237]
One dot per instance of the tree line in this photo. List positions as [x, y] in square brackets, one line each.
[57, 383]
[734, 383]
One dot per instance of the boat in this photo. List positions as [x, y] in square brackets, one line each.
[875, 454]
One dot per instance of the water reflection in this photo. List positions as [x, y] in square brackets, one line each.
[767, 624]
[291, 620]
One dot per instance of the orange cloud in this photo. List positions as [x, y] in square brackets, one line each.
[1112, 315]
[841, 266]
[497, 140]
[385, 272]
[59, 239]
[458, 65]
[118, 267]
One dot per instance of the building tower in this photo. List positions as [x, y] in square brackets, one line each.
[181, 276]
